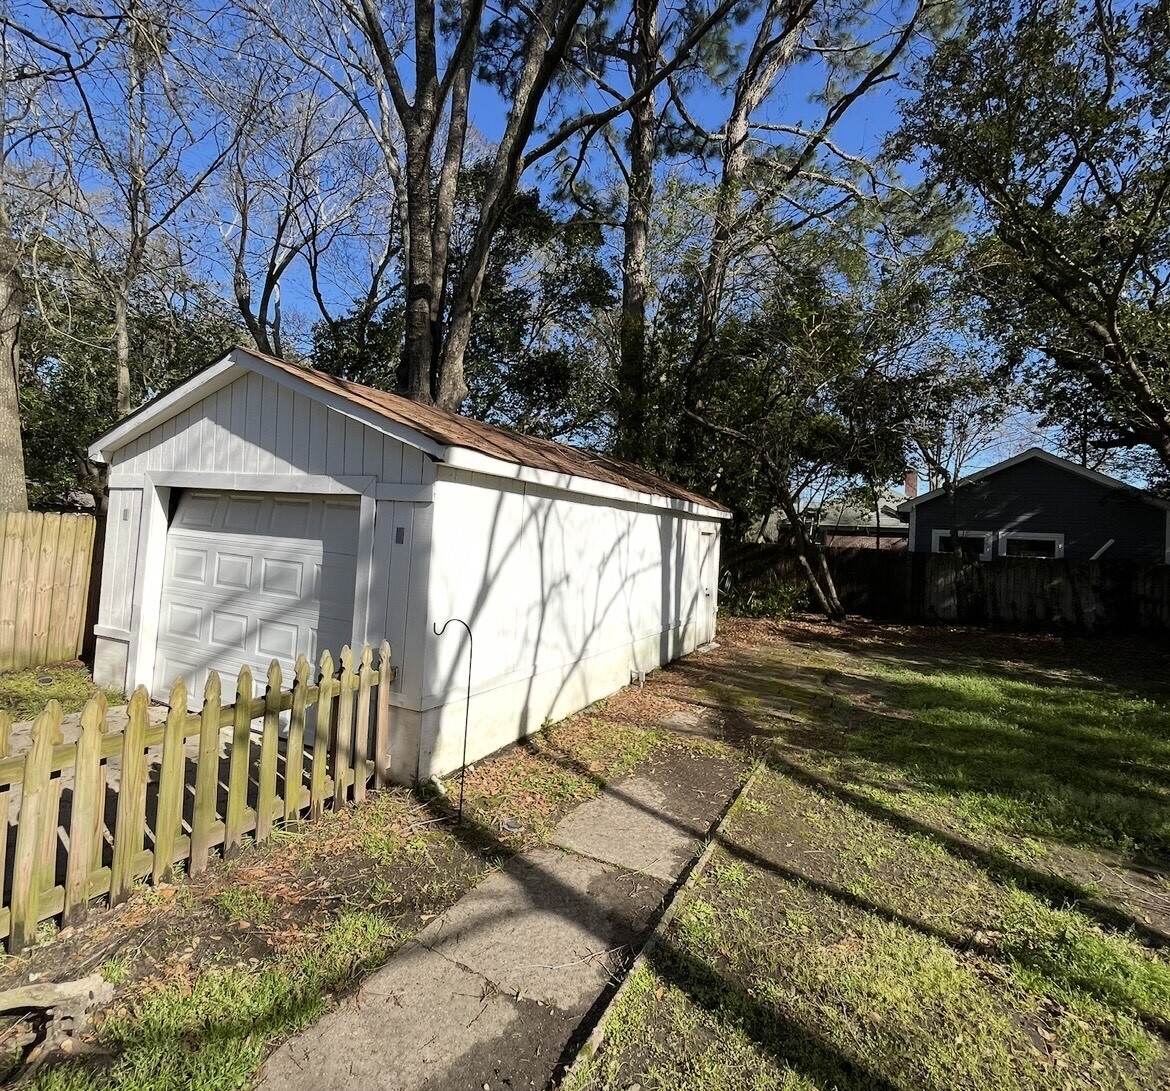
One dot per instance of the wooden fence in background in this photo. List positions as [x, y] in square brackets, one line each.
[139, 801]
[45, 562]
[1013, 592]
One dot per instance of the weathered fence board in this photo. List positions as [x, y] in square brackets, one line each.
[66, 784]
[1015, 592]
[45, 562]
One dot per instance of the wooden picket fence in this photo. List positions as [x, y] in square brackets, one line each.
[45, 562]
[110, 841]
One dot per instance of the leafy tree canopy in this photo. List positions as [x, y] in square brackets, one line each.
[1050, 117]
[67, 388]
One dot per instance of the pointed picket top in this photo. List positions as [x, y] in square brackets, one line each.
[139, 701]
[93, 716]
[244, 684]
[46, 728]
[301, 670]
[169, 816]
[346, 658]
[275, 676]
[367, 658]
[326, 665]
[178, 698]
[213, 688]
[384, 654]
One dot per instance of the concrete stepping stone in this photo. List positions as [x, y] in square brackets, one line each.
[652, 822]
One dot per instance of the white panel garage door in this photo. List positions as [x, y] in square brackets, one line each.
[252, 577]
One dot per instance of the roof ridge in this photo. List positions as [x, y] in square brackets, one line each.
[495, 441]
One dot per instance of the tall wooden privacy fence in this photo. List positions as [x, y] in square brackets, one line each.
[1018, 593]
[99, 813]
[45, 562]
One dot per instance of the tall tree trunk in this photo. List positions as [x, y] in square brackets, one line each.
[419, 349]
[632, 383]
[445, 197]
[122, 347]
[775, 46]
[13, 490]
[811, 556]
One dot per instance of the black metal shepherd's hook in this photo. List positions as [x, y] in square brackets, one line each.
[467, 708]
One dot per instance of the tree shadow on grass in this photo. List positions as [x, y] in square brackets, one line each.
[792, 1044]
[1088, 766]
[1057, 890]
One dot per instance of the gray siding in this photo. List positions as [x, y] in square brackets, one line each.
[1037, 497]
[255, 425]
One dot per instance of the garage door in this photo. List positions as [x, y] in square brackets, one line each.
[252, 577]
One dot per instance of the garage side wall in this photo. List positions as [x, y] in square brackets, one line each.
[256, 434]
[566, 595]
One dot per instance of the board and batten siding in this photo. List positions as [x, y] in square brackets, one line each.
[282, 441]
[1037, 497]
[258, 426]
[566, 594]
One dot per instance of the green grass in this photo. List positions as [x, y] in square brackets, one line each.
[1084, 764]
[913, 898]
[23, 696]
[774, 975]
[214, 1035]
[241, 903]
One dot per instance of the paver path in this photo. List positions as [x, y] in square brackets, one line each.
[491, 993]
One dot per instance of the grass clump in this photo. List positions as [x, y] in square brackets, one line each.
[24, 693]
[1066, 955]
[242, 903]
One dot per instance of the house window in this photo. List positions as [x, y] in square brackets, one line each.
[976, 546]
[1013, 544]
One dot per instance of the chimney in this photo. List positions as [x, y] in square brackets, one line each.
[911, 484]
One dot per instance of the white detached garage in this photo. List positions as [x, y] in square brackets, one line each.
[262, 510]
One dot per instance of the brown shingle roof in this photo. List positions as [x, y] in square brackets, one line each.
[453, 430]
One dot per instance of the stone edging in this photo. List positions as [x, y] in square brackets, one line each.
[591, 1044]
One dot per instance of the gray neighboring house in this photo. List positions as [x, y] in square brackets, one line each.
[1038, 505]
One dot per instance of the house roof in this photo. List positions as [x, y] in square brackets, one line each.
[1041, 455]
[442, 428]
[847, 516]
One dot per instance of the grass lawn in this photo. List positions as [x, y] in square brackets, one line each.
[24, 693]
[954, 873]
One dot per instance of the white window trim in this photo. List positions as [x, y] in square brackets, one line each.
[1005, 535]
[936, 537]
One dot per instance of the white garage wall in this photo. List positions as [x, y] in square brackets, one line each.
[566, 593]
[565, 597]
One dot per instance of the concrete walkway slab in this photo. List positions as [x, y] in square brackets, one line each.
[492, 992]
[552, 927]
[403, 1029]
[653, 821]
[629, 827]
